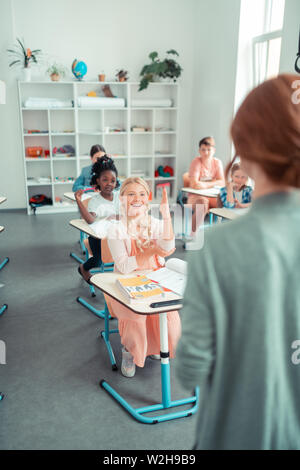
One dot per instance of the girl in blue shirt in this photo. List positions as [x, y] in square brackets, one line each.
[236, 193]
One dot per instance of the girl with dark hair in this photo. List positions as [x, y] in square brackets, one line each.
[100, 206]
[84, 179]
[241, 322]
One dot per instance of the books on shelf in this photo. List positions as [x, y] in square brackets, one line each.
[139, 288]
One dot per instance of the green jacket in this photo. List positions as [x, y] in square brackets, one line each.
[240, 319]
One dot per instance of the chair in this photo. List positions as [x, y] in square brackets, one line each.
[106, 260]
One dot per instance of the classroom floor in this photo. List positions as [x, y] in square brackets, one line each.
[55, 358]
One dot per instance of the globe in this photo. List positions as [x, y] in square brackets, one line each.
[79, 69]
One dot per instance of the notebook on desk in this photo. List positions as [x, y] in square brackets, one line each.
[172, 276]
[138, 288]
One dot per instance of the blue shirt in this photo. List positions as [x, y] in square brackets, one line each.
[246, 196]
[84, 179]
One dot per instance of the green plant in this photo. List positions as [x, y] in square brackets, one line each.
[167, 68]
[56, 69]
[23, 55]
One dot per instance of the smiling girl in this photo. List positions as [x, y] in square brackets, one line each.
[137, 242]
[100, 206]
[236, 193]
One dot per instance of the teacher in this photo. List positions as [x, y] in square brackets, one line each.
[241, 317]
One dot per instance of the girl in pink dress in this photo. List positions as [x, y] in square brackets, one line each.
[138, 242]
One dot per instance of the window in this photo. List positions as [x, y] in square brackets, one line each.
[267, 45]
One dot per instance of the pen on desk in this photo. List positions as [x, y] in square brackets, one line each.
[166, 303]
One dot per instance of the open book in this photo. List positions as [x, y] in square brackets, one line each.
[172, 276]
[140, 288]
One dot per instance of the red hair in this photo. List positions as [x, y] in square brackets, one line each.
[266, 130]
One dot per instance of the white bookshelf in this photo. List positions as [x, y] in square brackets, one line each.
[82, 127]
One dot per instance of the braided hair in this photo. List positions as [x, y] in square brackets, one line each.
[102, 164]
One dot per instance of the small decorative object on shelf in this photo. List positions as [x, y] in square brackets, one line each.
[79, 69]
[167, 68]
[34, 151]
[56, 71]
[23, 57]
[165, 172]
[66, 150]
[101, 77]
[122, 75]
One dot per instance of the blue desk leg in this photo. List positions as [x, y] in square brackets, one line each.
[105, 335]
[84, 250]
[3, 308]
[167, 403]
[4, 262]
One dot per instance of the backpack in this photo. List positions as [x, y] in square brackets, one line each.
[39, 200]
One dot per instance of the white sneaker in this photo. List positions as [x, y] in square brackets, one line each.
[155, 356]
[128, 366]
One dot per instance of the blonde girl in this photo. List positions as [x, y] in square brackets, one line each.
[137, 242]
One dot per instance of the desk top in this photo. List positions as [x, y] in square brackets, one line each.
[209, 192]
[82, 225]
[70, 196]
[106, 282]
[229, 214]
[2, 199]
[1, 229]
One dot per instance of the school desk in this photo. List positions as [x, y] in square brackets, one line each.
[225, 213]
[85, 228]
[107, 284]
[70, 196]
[209, 192]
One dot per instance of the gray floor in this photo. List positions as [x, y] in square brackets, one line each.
[55, 358]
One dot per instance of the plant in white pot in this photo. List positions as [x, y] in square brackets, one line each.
[160, 69]
[23, 57]
[56, 71]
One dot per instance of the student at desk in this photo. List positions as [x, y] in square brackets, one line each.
[241, 323]
[84, 179]
[206, 171]
[102, 205]
[236, 193]
[138, 242]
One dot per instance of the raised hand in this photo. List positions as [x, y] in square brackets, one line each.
[164, 205]
[78, 194]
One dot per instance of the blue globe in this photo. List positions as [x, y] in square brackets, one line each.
[79, 69]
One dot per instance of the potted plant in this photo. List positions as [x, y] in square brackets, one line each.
[23, 56]
[122, 75]
[167, 68]
[56, 71]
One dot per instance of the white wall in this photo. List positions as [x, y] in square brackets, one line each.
[216, 38]
[290, 36]
[11, 163]
[107, 35]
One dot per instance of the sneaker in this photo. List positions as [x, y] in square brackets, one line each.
[155, 356]
[128, 366]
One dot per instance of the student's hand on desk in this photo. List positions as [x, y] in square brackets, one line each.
[238, 205]
[164, 205]
[78, 194]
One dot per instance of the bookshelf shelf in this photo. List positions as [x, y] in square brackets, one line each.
[82, 127]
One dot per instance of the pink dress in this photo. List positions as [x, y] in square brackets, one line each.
[140, 333]
[200, 173]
